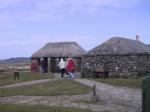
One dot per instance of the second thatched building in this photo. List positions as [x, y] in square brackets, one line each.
[121, 57]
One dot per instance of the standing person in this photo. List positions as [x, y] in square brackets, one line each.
[67, 75]
[41, 66]
[62, 66]
[71, 68]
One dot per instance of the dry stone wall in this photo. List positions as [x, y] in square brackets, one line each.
[118, 65]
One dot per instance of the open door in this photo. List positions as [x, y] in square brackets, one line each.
[53, 65]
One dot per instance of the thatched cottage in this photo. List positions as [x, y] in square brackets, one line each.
[52, 52]
[121, 57]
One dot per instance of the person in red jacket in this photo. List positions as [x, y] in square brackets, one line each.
[70, 68]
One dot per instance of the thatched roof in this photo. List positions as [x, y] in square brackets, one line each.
[121, 45]
[60, 49]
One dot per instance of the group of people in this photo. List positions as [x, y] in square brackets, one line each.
[67, 68]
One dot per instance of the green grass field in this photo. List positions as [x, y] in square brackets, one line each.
[8, 78]
[123, 82]
[52, 88]
[39, 108]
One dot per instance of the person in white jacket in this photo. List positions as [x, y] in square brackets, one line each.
[62, 66]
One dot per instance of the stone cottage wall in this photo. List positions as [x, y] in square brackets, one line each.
[77, 61]
[119, 65]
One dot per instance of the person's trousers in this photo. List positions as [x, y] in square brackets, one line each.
[71, 75]
[62, 72]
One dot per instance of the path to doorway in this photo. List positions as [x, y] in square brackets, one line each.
[26, 83]
[112, 98]
[121, 96]
[57, 77]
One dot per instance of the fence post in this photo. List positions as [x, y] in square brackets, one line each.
[94, 96]
[16, 75]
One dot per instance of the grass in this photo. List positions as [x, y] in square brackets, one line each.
[52, 88]
[39, 108]
[8, 78]
[123, 82]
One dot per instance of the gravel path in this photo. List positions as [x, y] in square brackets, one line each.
[26, 83]
[75, 101]
[121, 96]
[112, 98]
[57, 77]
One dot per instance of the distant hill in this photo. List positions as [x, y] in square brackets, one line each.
[15, 60]
[1, 60]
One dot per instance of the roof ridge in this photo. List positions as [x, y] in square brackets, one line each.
[60, 49]
[119, 45]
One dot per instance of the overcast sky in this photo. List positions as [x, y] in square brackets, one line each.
[27, 25]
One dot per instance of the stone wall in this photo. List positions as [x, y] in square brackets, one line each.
[119, 65]
[77, 61]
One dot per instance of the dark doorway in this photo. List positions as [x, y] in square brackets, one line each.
[53, 65]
